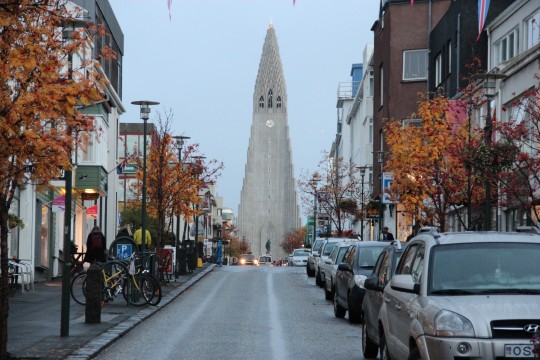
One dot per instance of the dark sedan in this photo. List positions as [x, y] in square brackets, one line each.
[357, 265]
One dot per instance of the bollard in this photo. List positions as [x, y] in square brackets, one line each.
[94, 286]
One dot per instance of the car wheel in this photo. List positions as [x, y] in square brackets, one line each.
[339, 311]
[354, 315]
[318, 278]
[310, 272]
[369, 348]
[327, 294]
[385, 355]
[414, 354]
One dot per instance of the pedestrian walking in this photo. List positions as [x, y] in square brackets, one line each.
[124, 231]
[387, 236]
[96, 246]
[137, 236]
[219, 252]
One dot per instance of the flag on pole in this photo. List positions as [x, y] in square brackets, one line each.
[169, 6]
[120, 167]
[92, 212]
[483, 6]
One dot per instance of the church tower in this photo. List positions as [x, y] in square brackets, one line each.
[268, 204]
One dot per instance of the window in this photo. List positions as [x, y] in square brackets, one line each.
[278, 102]
[438, 70]
[261, 102]
[507, 47]
[87, 148]
[270, 98]
[370, 135]
[381, 83]
[533, 30]
[411, 122]
[371, 83]
[415, 64]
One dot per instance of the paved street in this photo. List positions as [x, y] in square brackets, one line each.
[244, 312]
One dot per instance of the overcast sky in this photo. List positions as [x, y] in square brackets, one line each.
[202, 65]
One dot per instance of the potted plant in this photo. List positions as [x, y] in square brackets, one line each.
[15, 221]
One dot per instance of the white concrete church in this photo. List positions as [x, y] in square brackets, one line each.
[268, 205]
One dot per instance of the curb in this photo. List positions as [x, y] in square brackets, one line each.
[96, 345]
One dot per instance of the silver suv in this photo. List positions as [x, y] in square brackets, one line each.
[463, 295]
[313, 254]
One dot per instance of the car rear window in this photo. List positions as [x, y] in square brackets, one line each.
[367, 256]
[300, 252]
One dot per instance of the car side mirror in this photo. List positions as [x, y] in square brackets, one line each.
[372, 283]
[344, 267]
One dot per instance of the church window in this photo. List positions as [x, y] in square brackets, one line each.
[278, 102]
[261, 102]
[270, 98]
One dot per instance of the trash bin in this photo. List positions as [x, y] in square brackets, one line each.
[181, 260]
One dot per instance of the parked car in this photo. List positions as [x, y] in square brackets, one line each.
[265, 260]
[463, 295]
[331, 264]
[313, 253]
[326, 249]
[248, 259]
[373, 299]
[358, 263]
[299, 257]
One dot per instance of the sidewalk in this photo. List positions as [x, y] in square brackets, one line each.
[34, 320]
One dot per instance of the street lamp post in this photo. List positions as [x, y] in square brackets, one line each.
[489, 86]
[198, 159]
[362, 174]
[313, 183]
[180, 141]
[145, 115]
[67, 33]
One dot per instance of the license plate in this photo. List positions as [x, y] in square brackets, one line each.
[519, 351]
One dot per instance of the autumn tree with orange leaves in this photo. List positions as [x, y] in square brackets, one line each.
[173, 184]
[294, 240]
[45, 79]
[336, 185]
[429, 175]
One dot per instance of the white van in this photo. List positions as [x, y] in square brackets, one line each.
[265, 260]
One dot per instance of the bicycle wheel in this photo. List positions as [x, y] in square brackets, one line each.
[139, 290]
[78, 288]
[114, 275]
[157, 290]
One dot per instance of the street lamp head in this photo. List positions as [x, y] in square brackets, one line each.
[362, 170]
[145, 107]
[180, 140]
[490, 81]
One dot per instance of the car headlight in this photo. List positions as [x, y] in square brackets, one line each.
[242, 261]
[256, 262]
[448, 323]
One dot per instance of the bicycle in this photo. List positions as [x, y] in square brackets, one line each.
[77, 263]
[137, 288]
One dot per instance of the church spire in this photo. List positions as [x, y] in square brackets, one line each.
[270, 93]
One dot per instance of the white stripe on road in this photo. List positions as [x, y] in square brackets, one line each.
[276, 332]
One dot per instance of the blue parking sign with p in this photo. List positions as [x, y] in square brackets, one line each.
[123, 251]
